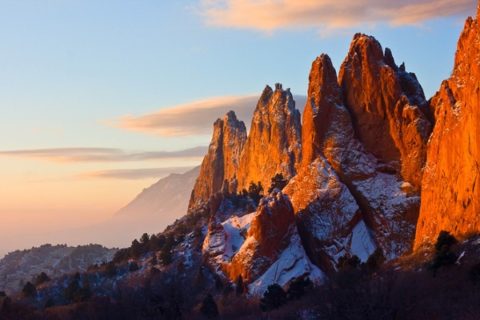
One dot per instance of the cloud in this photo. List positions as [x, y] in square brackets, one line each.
[135, 174]
[102, 154]
[271, 15]
[192, 118]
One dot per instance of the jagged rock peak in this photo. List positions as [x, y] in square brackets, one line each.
[450, 186]
[388, 107]
[323, 97]
[274, 141]
[220, 165]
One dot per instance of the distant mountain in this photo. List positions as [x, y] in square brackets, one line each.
[21, 266]
[167, 198]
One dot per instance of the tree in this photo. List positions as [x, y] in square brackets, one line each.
[145, 238]
[445, 239]
[209, 307]
[239, 285]
[273, 298]
[278, 182]
[29, 290]
[111, 269]
[297, 288]
[443, 255]
[346, 263]
[74, 292]
[136, 248]
[375, 260]
[255, 191]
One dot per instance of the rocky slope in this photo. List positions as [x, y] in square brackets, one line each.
[261, 247]
[274, 141]
[18, 267]
[219, 167]
[451, 182]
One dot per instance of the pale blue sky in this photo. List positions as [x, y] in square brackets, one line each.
[67, 66]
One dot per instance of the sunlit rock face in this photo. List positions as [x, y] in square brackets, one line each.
[451, 181]
[219, 167]
[346, 201]
[388, 108]
[274, 141]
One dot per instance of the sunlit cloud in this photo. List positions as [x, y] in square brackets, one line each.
[101, 154]
[271, 15]
[134, 174]
[194, 118]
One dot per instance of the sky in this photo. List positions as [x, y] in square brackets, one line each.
[101, 98]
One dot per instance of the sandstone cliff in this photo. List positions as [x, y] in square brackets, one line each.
[346, 202]
[274, 141]
[219, 167]
[451, 181]
[388, 107]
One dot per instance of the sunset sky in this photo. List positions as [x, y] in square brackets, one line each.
[101, 98]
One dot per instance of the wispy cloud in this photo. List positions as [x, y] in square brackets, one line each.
[101, 154]
[134, 174]
[192, 118]
[271, 15]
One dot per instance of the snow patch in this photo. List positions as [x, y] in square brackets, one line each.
[292, 263]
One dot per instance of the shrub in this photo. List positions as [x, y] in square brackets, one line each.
[273, 298]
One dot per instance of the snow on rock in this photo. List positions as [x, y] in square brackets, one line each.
[292, 263]
[362, 244]
[390, 211]
[224, 239]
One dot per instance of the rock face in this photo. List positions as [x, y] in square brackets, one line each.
[388, 107]
[451, 181]
[219, 167]
[274, 141]
[262, 247]
[346, 200]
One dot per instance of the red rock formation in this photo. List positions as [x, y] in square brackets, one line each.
[269, 234]
[388, 107]
[220, 165]
[345, 186]
[273, 144]
[451, 181]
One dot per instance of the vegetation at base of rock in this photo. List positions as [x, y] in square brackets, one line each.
[278, 182]
[273, 298]
[209, 307]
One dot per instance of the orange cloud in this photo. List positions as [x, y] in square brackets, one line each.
[270, 15]
[192, 118]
